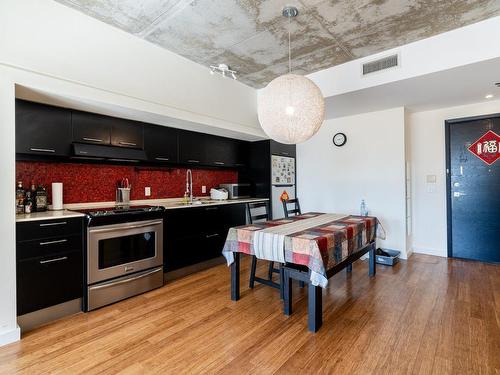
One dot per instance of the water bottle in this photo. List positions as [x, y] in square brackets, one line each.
[362, 210]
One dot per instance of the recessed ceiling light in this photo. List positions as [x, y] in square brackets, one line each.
[489, 96]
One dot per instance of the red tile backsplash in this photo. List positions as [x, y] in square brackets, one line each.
[84, 183]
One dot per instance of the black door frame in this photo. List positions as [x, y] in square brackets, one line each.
[447, 125]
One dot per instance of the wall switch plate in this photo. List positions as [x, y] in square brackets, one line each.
[203, 189]
[147, 191]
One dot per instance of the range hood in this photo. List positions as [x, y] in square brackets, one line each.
[111, 153]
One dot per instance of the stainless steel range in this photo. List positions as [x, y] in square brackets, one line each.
[124, 253]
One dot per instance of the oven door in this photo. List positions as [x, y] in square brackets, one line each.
[119, 249]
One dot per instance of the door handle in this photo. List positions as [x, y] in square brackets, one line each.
[212, 235]
[42, 150]
[162, 159]
[219, 162]
[92, 139]
[127, 143]
[193, 161]
[124, 227]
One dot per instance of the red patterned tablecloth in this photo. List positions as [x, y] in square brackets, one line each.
[319, 247]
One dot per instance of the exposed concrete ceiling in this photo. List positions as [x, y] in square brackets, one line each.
[251, 35]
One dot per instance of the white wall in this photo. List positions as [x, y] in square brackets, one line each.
[55, 49]
[48, 38]
[427, 155]
[370, 166]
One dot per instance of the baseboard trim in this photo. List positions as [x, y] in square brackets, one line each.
[10, 336]
[429, 251]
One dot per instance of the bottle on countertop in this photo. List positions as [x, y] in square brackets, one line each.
[363, 211]
[41, 199]
[33, 195]
[28, 203]
[19, 198]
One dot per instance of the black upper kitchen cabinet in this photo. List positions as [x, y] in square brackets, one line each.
[106, 130]
[42, 129]
[127, 133]
[193, 147]
[160, 143]
[91, 128]
[282, 149]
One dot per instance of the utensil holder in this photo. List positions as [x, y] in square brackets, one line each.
[122, 196]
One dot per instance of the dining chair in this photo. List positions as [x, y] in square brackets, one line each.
[259, 211]
[293, 211]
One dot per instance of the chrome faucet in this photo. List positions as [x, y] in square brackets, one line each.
[189, 184]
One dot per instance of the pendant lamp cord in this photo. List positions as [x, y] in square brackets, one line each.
[289, 48]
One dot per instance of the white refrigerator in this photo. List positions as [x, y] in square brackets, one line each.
[282, 183]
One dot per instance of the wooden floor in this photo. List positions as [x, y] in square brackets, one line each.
[427, 315]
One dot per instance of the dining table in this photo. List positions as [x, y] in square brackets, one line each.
[311, 248]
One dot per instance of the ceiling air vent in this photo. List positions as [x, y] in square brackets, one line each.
[381, 64]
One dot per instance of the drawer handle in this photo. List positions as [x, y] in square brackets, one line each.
[42, 150]
[212, 235]
[211, 208]
[285, 153]
[162, 159]
[53, 224]
[127, 280]
[92, 139]
[53, 260]
[52, 242]
[219, 162]
[127, 143]
[193, 161]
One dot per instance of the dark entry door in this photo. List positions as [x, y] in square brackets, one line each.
[473, 188]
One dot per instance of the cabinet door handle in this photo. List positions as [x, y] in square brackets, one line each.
[127, 143]
[193, 161]
[219, 162]
[53, 260]
[51, 150]
[285, 153]
[162, 159]
[92, 139]
[212, 235]
[52, 242]
[54, 224]
[211, 208]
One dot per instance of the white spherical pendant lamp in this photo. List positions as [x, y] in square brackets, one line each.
[291, 107]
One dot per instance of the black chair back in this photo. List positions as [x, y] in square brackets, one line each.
[258, 211]
[291, 211]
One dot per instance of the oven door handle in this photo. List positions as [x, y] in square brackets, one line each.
[125, 281]
[115, 229]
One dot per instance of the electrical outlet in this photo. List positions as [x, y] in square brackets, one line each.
[203, 189]
[147, 191]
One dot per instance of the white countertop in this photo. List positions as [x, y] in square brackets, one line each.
[169, 204]
[48, 215]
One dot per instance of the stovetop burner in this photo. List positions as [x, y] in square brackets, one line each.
[119, 210]
[121, 214]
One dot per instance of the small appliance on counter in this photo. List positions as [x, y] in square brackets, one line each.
[219, 194]
[236, 191]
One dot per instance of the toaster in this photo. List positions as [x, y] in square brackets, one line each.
[218, 194]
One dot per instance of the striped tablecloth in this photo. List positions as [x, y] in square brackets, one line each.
[316, 240]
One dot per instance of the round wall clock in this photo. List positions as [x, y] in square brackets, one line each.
[339, 139]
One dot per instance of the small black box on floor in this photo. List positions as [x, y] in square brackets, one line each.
[387, 256]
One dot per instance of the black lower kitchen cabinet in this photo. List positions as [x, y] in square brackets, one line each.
[197, 234]
[50, 264]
